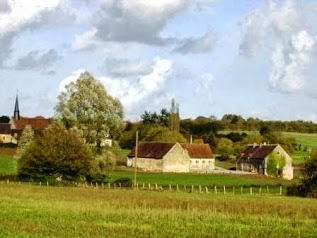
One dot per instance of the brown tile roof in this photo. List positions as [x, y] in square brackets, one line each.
[257, 151]
[156, 150]
[198, 150]
[35, 122]
[5, 128]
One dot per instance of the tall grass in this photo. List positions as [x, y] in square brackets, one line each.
[29, 211]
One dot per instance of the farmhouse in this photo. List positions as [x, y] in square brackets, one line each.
[172, 157]
[255, 159]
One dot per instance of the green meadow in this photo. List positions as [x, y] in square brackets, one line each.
[34, 211]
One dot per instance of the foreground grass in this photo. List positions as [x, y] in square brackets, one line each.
[29, 211]
[7, 165]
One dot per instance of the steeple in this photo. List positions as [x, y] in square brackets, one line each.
[16, 114]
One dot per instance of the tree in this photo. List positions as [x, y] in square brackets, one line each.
[4, 119]
[224, 148]
[85, 105]
[25, 140]
[275, 165]
[160, 133]
[58, 152]
[162, 118]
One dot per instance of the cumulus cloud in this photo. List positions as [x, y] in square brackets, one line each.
[198, 45]
[34, 60]
[128, 23]
[69, 79]
[140, 90]
[284, 30]
[136, 92]
[127, 68]
[18, 16]
[4, 6]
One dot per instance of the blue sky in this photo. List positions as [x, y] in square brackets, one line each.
[256, 58]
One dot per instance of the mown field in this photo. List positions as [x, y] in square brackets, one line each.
[33, 211]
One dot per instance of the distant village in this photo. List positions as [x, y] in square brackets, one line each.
[166, 156]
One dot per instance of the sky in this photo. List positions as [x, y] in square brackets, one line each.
[254, 58]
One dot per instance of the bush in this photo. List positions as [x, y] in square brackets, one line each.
[308, 185]
[57, 153]
[124, 182]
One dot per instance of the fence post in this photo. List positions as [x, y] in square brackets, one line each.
[281, 190]
[177, 188]
[224, 190]
[233, 188]
[206, 188]
[215, 189]
[170, 187]
[192, 188]
[260, 190]
[251, 190]
[109, 185]
[199, 188]
[241, 190]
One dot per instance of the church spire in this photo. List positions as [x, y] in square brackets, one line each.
[16, 114]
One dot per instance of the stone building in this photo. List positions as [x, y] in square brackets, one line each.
[254, 159]
[172, 157]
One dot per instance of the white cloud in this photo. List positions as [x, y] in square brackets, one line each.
[72, 78]
[135, 92]
[197, 45]
[289, 65]
[21, 15]
[34, 60]
[127, 68]
[138, 21]
[284, 29]
[4, 6]
[142, 90]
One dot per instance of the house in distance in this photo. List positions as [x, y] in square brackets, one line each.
[255, 158]
[172, 157]
[11, 131]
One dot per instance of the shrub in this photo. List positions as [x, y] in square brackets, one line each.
[124, 182]
[57, 153]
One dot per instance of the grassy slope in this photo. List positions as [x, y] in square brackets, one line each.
[29, 211]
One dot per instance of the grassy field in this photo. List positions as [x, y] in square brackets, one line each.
[33, 211]
[7, 165]
[188, 179]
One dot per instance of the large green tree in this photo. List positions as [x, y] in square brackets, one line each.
[85, 105]
[58, 152]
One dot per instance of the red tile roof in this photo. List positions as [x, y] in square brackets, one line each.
[257, 151]
[35, 122]
[158, 150]
[198, 150]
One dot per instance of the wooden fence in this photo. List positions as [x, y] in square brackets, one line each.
[224, 190]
